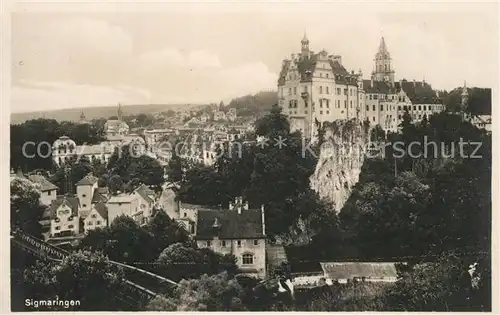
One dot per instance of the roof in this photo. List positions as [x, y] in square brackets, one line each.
[189, 206]
[87, 180]
[102, 210]
[349, 270]
[100, 195]
[123, 198]
[377, 87]
[146, 193]
[70, 201]
[232, 225]
[45, 185]
[418, 92]
[95, 149]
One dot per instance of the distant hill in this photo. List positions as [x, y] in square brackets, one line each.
[254, 105]
[73, 114]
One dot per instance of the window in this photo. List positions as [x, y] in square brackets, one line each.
[404, 107]
[327, 103]
[321, 112]
[370, 96]
[327, 112]
[327, 90]
[399, 116]
[209, 243]
[247, 259]
[84, 205]
[381, 107]
[49, 192]
[58, 228]
[93, 216]
[373, 118]
[70, 218]
[223, 243]
[90, 223]
[320, 90]
[419, 107]
[295, 91]
[321, 74]
[414, 107]
[256, 242]
[238, 243]
[345, 104]
[98, 223]
[70, 226]
[289, 91]
[375, 96]
[320, 103]
[84, 195]
[399, 107]
[373, 107]
[327, 75]
[305, 111]
[345, 91]
[338, 91]
[351, 104]
[185, 214]
[425, 107]
[367, 108]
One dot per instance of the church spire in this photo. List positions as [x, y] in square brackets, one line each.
[382, 48]
[305, 45]
[465, 101]
[120, 112]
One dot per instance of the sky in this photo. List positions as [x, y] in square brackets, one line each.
[159, 53]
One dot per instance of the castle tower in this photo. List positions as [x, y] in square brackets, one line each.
[383, 70]
[120, 112]
[465, 101]
[305, 45]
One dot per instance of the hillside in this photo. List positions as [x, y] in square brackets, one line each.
[73, 114]
[254, 105]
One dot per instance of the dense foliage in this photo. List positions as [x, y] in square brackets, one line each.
[25, 208]
[41, 131]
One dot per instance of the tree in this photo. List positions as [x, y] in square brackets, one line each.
[166, 231]
[444, 285]
[67, 175]
[82, 276]
[115, 184]
[25, 209]
[209, 293]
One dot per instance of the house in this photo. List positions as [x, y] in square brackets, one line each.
[231, 115]
[97, 218]
[64, 148]
[124, 204]
[115, 127]
[48, 191]
[85, 189]
[219, 115]
[204, 117]
[482, 122]
[63, 215]
[343, 272]
[146, 201]
[239, 231]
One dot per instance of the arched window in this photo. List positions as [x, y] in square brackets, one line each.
[247, 259]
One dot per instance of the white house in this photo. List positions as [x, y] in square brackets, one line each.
[123, 204]
[97, 218]
[48, 191]
[63, 214]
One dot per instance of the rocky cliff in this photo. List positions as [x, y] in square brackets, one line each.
[340, 160]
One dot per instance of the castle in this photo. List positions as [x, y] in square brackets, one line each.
[315, 87]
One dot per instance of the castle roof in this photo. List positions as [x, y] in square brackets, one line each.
[418, 92]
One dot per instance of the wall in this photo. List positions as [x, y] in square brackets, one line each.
[340, 160]
[46, 197]
[247, 246]
[85, 202]
[117, 209]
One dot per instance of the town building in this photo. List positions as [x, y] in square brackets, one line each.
[239, 231]
[48, 191]
[85, 192]
[64, 148]
[63, 215]
[115, 127]
[96, 218]
[316, 87]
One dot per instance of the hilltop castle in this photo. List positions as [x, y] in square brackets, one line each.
[316, 87]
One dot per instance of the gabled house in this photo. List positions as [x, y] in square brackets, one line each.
[97, 218]
[48, 191]
[124, 204]
[146, 201]
[239, 231]
[63, 215]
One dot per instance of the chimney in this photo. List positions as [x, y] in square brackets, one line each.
[263, 220]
